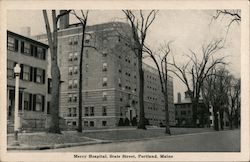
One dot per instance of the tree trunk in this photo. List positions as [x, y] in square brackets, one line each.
[141, 124]
[222, 119]
[167, 130]
[216, 121]
[194, 109]
[55, 73]
[54, 125]
[80, 83]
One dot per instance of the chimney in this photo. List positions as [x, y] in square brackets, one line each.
[64, 20]
[179, 97]
[25, 31]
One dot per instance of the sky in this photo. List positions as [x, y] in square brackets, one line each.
[187, 29]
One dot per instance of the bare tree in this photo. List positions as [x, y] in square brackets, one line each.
[234, 102]
[234, 16]
[83, 21]
[139, 25]
[55, 72]
[197, 70]
[215, 93]
[162, 68]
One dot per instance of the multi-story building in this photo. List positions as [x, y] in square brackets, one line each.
[110, 77]
[31, 56]
[184, 112]
[154, 99]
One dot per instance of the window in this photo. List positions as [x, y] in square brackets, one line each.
[104, 66]
[75, 98]
[74, 123]
[183, 112]
[70, 70]
[104, 111]
[39, 102]
[75, 83]
[70, 56]
[75, 56]
[75, 70]
[26, 101]
[91, 123]
[10, 69]
[75, 40]
[86, 123]
[104, 96]
[120, 68]
[119, 82]
[12, 44]
[71, 40]
[39, 75]
[70, 98]
[104, 54]
[86, 112]
[41, 52]
[121, 98]
[87, 67]
[104, 123]
[25, 48]
[92, 111]
[69, 112]
[26, 72]
[74, 112]
[70, 84]
[104, 81]
[87, 53]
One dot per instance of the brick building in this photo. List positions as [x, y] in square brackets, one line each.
[110, 82]
[184, 112]
[31, 55]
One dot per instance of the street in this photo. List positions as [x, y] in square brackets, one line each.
[223, 141]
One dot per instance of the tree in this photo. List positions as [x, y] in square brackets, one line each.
[215, 93]
[55, 72]
[162, 68]
[232, 15]
[197, 69]
[234, 102]
[83, 22]
[139, 26]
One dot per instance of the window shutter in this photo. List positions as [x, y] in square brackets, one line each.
[34, 103]
[31, 73]
[35, 51]
[44, 54]
[16, 45]
[22, 47]
[34, 69]
[31, 50]
[21, 74]
[30, 102]
[43, 76]
[43, 99]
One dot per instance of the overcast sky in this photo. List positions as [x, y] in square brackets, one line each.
[188, 29]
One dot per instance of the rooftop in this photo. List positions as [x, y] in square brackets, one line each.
[27, 38]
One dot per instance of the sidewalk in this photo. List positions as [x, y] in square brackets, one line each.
[42, 140]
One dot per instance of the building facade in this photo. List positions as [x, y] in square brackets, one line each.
[184, 112]
[110, 77]
[31, 55]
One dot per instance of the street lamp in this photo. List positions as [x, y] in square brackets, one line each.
[17, 71]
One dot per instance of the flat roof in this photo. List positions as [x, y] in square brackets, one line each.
[27, 38]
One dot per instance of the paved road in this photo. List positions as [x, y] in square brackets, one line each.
[222, 141]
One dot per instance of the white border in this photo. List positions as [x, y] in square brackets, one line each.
[112, 4]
